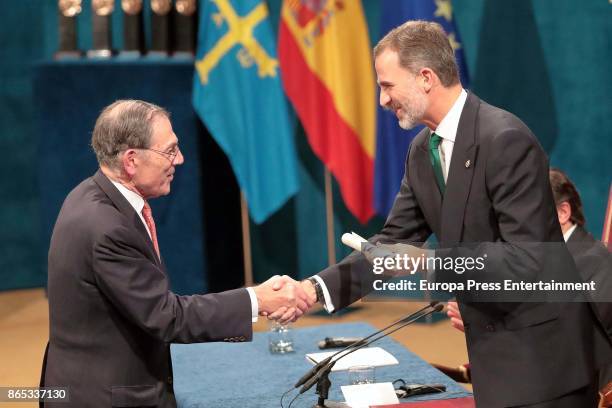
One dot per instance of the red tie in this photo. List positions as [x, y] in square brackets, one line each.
[147, 214]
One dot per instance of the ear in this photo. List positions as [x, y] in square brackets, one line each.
[564, 212]
[130, 162]
[427, 78]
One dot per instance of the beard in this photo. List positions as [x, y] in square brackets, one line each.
[412, 112]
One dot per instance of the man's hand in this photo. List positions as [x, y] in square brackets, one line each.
[305, 291]
[281, 293]
[452, 311]
[310, 291]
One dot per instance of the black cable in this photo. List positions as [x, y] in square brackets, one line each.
[283, 396]
[408, 390]
[293, 400]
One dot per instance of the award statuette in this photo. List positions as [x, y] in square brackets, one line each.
[160, 27]
[68, 12]
[133, 34]
[102, 10]
[185, 27]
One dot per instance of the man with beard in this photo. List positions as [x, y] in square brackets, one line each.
[476, 174]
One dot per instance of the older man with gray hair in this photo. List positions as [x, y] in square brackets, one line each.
[112, 314]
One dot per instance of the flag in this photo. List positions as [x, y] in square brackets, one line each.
[237, 93]
[325, 58]
[606, 235]
[392, 141]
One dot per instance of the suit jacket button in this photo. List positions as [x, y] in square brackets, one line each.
[490, 327]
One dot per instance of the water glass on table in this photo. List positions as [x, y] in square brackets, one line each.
[280, 338]
[363, 374]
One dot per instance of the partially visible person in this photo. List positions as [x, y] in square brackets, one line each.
[112, 314]
[592, 259]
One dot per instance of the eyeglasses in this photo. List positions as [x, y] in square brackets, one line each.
[171, 155]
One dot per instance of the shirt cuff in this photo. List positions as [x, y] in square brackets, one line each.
[327, 303]
[254, 305]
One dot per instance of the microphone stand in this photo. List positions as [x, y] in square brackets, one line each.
[320, 364]
[322, 375]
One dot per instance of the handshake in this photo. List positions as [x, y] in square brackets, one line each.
[284, 299]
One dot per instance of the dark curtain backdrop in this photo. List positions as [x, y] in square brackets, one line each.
[548, 61]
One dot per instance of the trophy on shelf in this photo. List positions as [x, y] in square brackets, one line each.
[101, 23]
[160, 27]
[68, 13]
[133, 34]
[185, 27]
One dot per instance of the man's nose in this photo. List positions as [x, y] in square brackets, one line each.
[383, 99]
[179, 159]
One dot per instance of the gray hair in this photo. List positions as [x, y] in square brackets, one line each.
[421, 44]
[122, 125]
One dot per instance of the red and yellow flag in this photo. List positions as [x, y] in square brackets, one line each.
[327, 73]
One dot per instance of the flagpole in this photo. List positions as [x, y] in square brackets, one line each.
[606, 235]
[246, 241]
[329, 212]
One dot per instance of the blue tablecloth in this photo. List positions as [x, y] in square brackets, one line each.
[246, 374]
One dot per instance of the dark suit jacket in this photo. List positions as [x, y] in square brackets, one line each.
[594, 263]
[112, 314]
[502, 194]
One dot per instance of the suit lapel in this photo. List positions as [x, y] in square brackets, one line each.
[426, 181]
[460, 173]
[580, 235]
[126, 209]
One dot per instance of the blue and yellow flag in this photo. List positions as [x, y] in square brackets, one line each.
[392, 141]
[237, 93]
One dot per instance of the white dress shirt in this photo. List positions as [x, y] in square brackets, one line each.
[447, 130]
[567, 234]
[137, 202]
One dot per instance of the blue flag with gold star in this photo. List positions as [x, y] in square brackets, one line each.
[237, 92]
[392, 141]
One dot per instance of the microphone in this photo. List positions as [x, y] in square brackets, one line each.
[326, 365]
[337, 342]
[324, 362]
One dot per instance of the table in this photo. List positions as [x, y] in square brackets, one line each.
[246, 374]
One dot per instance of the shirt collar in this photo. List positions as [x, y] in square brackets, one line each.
[133, 198]
[447, 129]
[568, 233]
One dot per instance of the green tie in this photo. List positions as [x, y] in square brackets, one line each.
[434, 156]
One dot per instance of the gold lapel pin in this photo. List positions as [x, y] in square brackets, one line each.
[468, 164]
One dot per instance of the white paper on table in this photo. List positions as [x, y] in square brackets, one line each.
[364, 395]
[367, 356]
